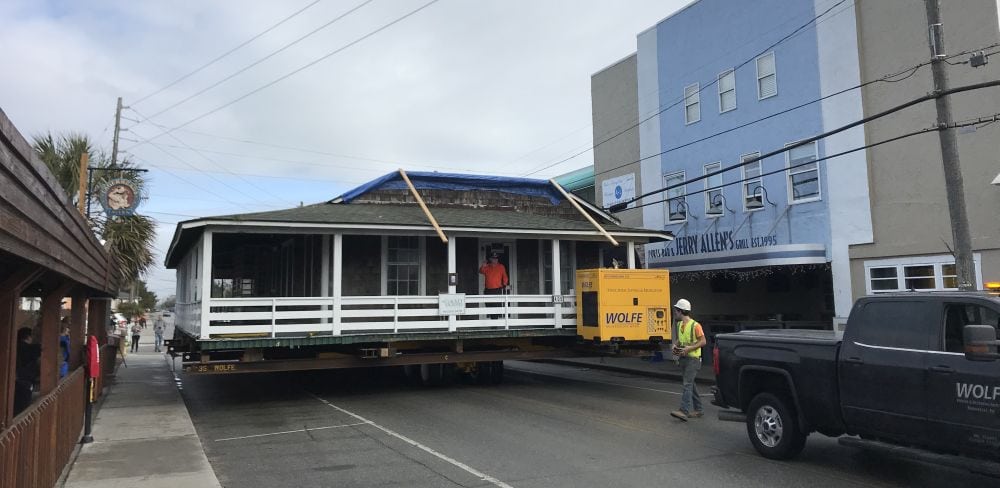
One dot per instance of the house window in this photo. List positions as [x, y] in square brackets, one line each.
[692, 104]
[676, 204]
[753, 193]
[913, 273]
[402, 265]
[803, 174]
[767, 77]
[713, 190]
[727, 91]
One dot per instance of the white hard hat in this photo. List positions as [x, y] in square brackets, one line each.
[683, 305]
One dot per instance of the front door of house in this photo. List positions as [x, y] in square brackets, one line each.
[507, 255]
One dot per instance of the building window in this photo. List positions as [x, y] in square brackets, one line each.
[692, 104]
[567, 266]
[803, 174]
[767, 77]
[913, 273]
[713, 190]
[402, 265]
[753, 194]
[727, 91]
[676, 204]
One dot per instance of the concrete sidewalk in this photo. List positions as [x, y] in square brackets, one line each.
[665, 369]
[143, 435]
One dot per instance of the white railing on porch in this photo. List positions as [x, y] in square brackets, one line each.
[288, 317]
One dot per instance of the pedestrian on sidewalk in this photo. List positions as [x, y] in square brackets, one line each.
[158, 327]
[136, 331]
[690, 340]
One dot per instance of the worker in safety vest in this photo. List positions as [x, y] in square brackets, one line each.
[689, 341]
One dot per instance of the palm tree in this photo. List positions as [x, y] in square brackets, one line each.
[130, 239]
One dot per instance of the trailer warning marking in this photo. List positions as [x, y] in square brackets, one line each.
[459, 464]
[289, 432]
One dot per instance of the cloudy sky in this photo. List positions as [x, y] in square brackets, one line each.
[489, 86]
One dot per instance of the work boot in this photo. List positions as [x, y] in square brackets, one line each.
[679, 415]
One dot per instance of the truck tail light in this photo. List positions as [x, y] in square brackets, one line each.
[715, 359]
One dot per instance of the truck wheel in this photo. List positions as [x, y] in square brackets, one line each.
[489, 372]
[496, 372]
[772, 427]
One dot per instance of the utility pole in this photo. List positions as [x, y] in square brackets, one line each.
[954, 186]
[118, 126]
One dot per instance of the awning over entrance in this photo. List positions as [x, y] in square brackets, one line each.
[741, 258]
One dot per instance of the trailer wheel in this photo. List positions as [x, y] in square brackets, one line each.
[432, 374]
[773, 428]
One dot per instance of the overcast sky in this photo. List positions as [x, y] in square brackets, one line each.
[499, 87]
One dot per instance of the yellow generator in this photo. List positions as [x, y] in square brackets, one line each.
[623, 305]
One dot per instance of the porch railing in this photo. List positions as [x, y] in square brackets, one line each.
[380, 314]
[36, 447]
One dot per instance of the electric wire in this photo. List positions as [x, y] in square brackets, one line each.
[931, 96]
[956, 125]
[259, 61]
[227, 53]
[296, 71]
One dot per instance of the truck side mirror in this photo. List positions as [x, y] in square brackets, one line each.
[980, 342]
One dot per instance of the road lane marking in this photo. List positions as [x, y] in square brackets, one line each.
[479, 474]
[550, 375]
[289, 432]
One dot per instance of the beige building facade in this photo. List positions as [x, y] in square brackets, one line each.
[912, 238]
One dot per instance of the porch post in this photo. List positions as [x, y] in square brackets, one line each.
[630, 251]
[51, 307]
[77, 324]
[206, 284]
[556, 285]
[451, 271]
[10, 298]
[338, 258]
[324, 274]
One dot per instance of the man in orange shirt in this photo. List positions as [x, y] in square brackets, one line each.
[496, 278]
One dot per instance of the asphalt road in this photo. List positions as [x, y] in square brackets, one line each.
[545, 426]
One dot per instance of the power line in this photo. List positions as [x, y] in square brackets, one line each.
[261, 60]
[174, 137]
[931, 96]
[297, 70]
[987, 119]
[890, 78]
[227, 53]
[700, 89]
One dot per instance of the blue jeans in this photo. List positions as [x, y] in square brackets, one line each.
[159, 342]
[689, 368]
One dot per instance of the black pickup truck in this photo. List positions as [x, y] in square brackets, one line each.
[915, 373]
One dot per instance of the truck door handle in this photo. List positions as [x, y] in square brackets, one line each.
[854, 360]
[942, 369]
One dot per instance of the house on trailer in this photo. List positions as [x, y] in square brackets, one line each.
[400, 254]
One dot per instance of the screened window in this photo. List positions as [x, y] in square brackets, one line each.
[403, 265]
[713, 187]
[676, 204]
[803, 173]
[753, 193]
[692, 104]
[767, 77]
[727, 91]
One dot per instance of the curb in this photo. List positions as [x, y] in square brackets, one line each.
[622, 369]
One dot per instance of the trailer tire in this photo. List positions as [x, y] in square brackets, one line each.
[773, 428]
[432, 374]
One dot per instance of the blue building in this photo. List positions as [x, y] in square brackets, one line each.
[768, 239]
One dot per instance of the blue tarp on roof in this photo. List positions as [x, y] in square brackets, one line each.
[452, 181]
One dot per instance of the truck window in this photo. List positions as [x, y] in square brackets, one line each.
[895, 323]
[958, 315]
